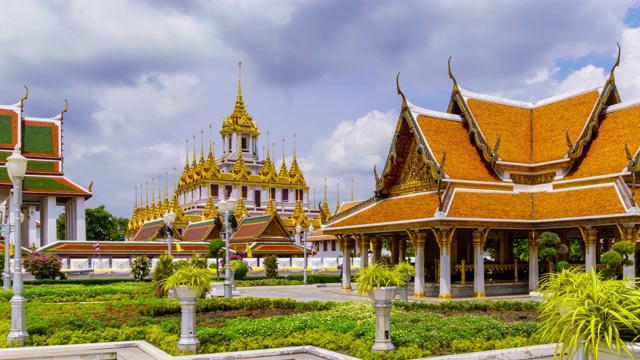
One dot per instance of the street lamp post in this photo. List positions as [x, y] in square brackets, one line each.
[17, 167]
[169, 218]
[6, 274]
[309, 232]
[227, 208]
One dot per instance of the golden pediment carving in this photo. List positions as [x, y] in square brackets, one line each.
[526, 179]
[415, 176]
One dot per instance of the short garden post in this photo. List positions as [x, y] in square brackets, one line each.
[188, 338]
[382, 304]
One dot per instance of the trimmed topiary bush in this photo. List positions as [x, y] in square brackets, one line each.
[271, 267]
[42, 266]
[164, 269]
[140, 267]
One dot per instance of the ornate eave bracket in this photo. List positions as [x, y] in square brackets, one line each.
[633, 166]
[575, 150]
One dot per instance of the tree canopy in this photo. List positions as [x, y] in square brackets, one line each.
[101, 225]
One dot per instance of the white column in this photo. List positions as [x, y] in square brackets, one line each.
[81, 226]
[32, 227]
[70, 223]
[419, 245]
[444, 235]
[479, 239]
[590, 238]
[346, 263]
[533, 261]
[48, 219]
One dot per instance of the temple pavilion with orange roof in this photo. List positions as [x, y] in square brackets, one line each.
[496, 169]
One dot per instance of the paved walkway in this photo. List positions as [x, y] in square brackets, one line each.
[334, 292]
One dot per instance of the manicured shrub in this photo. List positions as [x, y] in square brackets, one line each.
[199, 261]
[140, 267]
[240, 269]
[42, 266]
[271, 266]
[164, 269]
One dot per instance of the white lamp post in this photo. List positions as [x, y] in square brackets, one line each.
[226, 208]
[6, 274]
[17, 167]
[309, 232]
[169, 218]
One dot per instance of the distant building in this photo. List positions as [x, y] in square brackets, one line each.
[239, 171]
[45, 187]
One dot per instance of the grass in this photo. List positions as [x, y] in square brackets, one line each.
[72, 314]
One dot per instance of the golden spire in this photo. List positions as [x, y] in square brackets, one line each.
[184, 179]
[239, 118]
[271, 208]
[153, 190]
[338, 201]
[210, 211]
[166, 190]
[298, 216]
[240, 169]
[295, 174]
[283, 169]
[241, 208]
[351, 190]
[325, 211]
[268, 169]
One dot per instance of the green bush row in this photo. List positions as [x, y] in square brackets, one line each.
[465, 306]
[87, 282]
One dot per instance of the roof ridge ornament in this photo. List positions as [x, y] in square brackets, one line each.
[405, 105]
[26, 95]
[66, 107]
[455, 83]
[633, 165]
[611, 77]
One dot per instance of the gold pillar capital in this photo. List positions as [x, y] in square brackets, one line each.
[417, 238]
[533, 239]
[443, 237]
[628, 233]
[480, 237]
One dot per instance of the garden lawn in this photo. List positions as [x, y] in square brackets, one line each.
[74, 314]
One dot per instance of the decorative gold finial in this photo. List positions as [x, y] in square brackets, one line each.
[26, 95]
[338, 200]
[405, 106]
[455, 83]
[66, 107]
[351, 190]
[611, 78]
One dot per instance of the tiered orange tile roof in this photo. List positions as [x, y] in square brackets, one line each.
[404, 208]
[513, 123]
[463, 160]
[606, 154]
[483, 205]
[526, 127]
[594, 201]
[551, 121]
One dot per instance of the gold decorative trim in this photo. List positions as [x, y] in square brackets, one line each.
[419, 295]
[346, 288]
[526, 179]
[444, 296]
[480, 294]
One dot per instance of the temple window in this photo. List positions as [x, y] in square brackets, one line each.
[244, 192]
[273, 194]
[245, 147]
[214, 190]
[299, 194]
[324, 246]
[229, 141]
[285, 195]
[227, 191]
[333, 245]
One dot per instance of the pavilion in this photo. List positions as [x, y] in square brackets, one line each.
[493, 169]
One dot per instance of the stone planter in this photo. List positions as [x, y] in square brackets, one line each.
[382, 298]
[605, 354]
[188, 300]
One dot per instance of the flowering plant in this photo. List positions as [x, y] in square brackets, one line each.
[42, 266]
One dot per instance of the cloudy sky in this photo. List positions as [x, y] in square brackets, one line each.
[141, 77]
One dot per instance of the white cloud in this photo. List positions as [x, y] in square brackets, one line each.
[628, 74]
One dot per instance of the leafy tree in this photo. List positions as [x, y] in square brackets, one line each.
[140, 267]
[101, 225]
[575, 250]
[215, 251]
[271, 267]
[409, 250]
[198, 261]
[1, 259]
[618, 255]
[549, 247]
[164, 269]
[521, 249]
